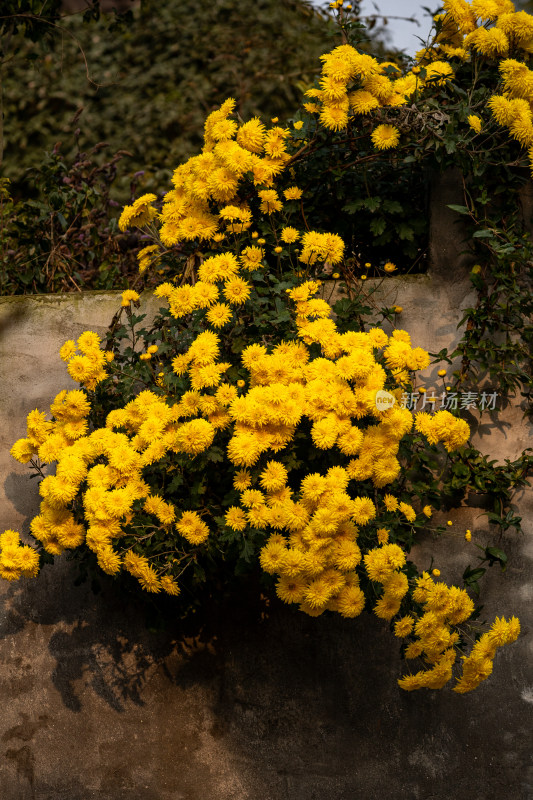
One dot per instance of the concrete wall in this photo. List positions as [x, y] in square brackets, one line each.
[254, 702]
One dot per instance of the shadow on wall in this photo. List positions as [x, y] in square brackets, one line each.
[115, 641]
[302, 708]
[22, 491]
[100, 637]
[12, 315]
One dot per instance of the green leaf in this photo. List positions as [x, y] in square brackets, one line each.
[470, 575]
[459, 209]
[392, 206]
[373, 203]
[495, 554]
[405, 232]
[377, 226]
[353, 207]
[175, 483]
[450, 146]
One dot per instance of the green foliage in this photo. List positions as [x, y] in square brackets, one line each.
[67, 238]
[498, 333]
[32, 19]
[152, 82]
[375, 201]
[107, 73]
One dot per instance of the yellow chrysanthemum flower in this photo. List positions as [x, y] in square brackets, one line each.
[385, 137]
[138, 214]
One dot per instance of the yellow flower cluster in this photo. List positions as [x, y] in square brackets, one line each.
[492, 29]
[62, 440]
[205, 205]
[478, 665]
[443, 427]
[129, 296]
[327, 247]
[88, 366]
[384, 565]
[47, 439]
[200, 364]
[513, 109]
[486, 27]
[313, 547]
[139, 214]
[204, 294]
[353, 81]
[286, 386]
[147, 256]
[434, 639]
[230, 153]
[110, 464]
[316, 563]
[355, 84]
[16, 560]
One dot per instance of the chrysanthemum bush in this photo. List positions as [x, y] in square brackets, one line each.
[248, 426]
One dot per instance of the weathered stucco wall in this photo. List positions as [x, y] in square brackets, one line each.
[273, 706]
